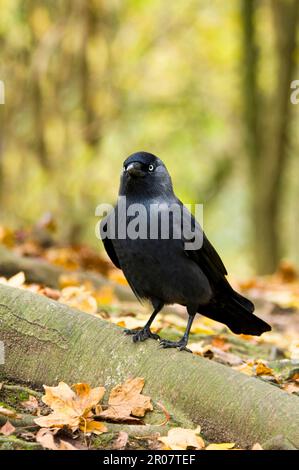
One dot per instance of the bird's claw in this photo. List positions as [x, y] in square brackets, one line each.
[180, 345]
[141, 335]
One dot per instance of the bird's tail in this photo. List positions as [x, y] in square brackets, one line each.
[236, 312]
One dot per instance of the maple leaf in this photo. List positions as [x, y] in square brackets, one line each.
[181, 439]
[126, 400]
[72, 407]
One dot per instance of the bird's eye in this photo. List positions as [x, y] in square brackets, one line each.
[151, 168]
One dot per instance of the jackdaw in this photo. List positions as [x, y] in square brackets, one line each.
[174, 264]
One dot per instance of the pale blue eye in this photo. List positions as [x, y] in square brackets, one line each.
[151, 168]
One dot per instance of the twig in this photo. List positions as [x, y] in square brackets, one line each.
[20, 442]
[21, 389]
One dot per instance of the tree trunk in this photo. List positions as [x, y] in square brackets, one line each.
[267, 118]
[46, 342]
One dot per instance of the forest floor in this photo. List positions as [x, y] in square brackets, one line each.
[273, 358]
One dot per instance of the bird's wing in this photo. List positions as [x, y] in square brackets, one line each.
[108, 243]
[206, 256]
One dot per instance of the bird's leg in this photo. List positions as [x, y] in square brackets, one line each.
[182, 343]
[145, 332]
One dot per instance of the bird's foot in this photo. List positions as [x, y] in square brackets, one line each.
[141, 335]
[180, 345]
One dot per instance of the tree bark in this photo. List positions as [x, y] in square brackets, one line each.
[46, 342]
[268, 118]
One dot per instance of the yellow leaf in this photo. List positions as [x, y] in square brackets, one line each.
[181, 439]
[95, 427]
[105, 295]
[263, 369]
[117, 276]
[245, 369]
[223, 446]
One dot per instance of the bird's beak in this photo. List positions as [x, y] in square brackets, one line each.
[135, 169]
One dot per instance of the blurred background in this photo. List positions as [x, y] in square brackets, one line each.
[204, 85]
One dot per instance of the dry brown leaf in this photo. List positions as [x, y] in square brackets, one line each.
[126, 400]
[221, 343]
[291, 387]
[31, 404]
[222, 446]
[71, 408]
[121, 441]
[182, 439]
[9, 413]
[7, 429]
[257, 446]
[64, 445]
[49, 292]
[46, 439]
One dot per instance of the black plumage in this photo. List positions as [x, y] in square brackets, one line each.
[163, 270]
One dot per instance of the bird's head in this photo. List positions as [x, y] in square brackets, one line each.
[145, 174]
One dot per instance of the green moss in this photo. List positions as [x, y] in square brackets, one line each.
[103, 441]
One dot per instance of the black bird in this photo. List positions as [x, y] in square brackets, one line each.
[162, 270]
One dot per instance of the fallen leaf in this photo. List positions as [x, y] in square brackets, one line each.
[46, 439]
[31, 404]
[7, 429]
[223, 446]
[80, 298]
[126, 400]
[64, 445]
[245, 369]
[6, 412]
[105, 295]
[18, 280]
[49, 292]
[95, 427]
[291, 387]
[71, 408]
[121, 441]
[182, 439]
[221, 343]
[257, 446]
[117, 276]
[263, 369]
